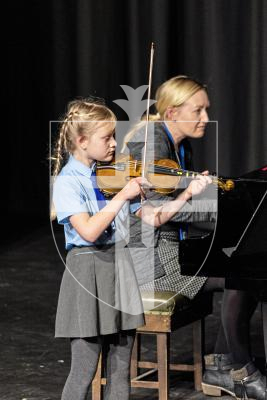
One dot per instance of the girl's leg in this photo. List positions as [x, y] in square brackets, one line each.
[118, 350]
[84, 359]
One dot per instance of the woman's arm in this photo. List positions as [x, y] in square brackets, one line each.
[160, 215]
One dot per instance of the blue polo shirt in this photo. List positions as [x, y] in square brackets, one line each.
[73, 193]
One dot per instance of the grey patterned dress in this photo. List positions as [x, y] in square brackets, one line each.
[173, 280]
[167, 272]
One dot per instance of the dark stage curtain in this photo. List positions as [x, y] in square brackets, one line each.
[64, 49]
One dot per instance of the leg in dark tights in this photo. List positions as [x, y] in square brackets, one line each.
[118, 350]
[232, 370]
[221, 346]
[213, 285]
[237, 309]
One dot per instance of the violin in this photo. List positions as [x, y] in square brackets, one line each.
[164, 175]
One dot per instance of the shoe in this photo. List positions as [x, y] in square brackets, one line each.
[247, 385]
[217, 378]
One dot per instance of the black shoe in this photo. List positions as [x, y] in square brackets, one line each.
[217, 378]
[249, 386]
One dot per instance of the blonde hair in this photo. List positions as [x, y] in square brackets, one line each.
[172, 93]
[81, 119]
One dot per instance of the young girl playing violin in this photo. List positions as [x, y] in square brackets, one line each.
[99, 305]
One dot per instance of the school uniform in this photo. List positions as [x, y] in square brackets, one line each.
[99, 293]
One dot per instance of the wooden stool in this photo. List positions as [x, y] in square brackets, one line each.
[165, 312]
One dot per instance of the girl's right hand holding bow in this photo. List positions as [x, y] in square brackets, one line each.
[134, 188]
[91, 227]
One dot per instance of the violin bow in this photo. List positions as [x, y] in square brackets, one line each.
[147, 109]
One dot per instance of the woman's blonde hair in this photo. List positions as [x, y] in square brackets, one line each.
[172, 93]
[81, 119]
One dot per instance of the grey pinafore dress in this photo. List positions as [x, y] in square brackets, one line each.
[99, 294]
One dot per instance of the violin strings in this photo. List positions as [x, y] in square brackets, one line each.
[160, 168]
[164, 169]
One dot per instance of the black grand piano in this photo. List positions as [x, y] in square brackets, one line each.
[237, 250]
[238, 246]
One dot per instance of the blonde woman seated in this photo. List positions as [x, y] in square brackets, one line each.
[182, 114]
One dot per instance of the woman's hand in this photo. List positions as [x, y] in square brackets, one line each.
[158, 216]
[198, 184]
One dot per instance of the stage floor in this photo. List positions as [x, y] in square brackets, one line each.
[33, 364]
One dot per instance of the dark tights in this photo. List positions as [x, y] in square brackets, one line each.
[237, 309]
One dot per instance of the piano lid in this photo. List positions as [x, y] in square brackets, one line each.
[239, 246]
[259, 174]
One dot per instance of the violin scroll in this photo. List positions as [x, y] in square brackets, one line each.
[226, 186]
